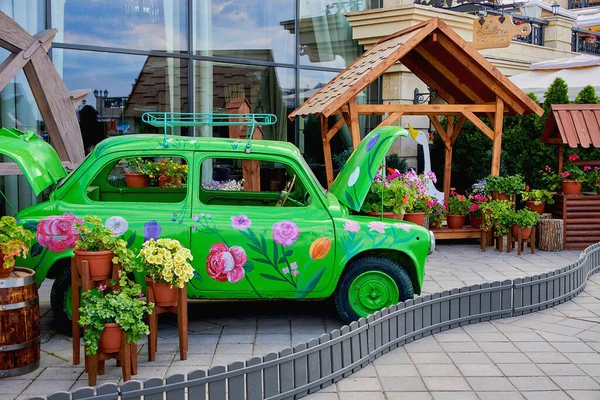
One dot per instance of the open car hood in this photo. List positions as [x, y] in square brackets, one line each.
[354, 180]
[37, 159]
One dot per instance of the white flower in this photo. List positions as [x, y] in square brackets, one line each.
[354, 177]
[118, 225]
[400, 225]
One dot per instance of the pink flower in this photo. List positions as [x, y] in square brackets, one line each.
[565, 174]
[240, 222]
[102, 288]
[294, 266]
[285, 233]
[295, 272]
[573, 157]
[401, 225]
[587, 168]
[596, 169]
[352, 226]
[285, 270]
[57, 233]
[377, 226]
[226, 264]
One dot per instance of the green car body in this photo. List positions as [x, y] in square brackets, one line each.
[244, 246]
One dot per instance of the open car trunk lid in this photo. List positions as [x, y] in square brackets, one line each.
[37, 159]
[354, 180]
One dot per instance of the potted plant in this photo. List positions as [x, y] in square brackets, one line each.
[475, 211]
[386, 197]
[106, 315]
[522, 220]
[168, 268]
[417, 193]
[98, 245]
[504, 187]
[536, 199]
[593, 177]
[572, 177]
[136, 173]
[436, 211]
[550, 178]
[458, 208]
[14, 242]
[494, 214]
[171, 174]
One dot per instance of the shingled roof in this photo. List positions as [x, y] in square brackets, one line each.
[436, 55]
[573, 124]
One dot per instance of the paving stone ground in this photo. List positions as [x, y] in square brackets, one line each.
[553, 354]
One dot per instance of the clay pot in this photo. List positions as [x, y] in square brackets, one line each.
[416, 218]
[4, 272]
[165, 295]
[387, 214]
[136, 180]
[571, 187]
[455, 221]
[525, 232]
[475, 221]
[100, 263]
[502, 196]
[538, 209]
[110, 338]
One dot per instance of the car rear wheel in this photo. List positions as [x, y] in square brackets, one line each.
[370, 284]
[60, 301]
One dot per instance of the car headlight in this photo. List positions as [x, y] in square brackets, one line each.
[431, 243]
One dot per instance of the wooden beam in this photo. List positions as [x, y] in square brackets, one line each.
[439, 129]
[479, 124]
[423, 109]
[334, 129]
[77, 96]
[497, 147]
[417, 69]
[10, 67]
[327, 151]
[354, 127]
[554, 141]
[390, 119]
[447, 174]
[561, 157]
[457, 129]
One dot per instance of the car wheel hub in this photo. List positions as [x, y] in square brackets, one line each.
[371, 291]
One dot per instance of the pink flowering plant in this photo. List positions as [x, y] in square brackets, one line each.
[436, 211]
[417, 190]
[550, 178]
[386, 195]
[572, 171]
[593, 175]
[458, 204]
[476, 201]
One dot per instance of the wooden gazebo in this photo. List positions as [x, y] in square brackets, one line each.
[463, 78]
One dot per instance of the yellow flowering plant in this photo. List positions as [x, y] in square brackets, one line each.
[166, 260]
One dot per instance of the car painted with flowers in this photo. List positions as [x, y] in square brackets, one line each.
[282, 237]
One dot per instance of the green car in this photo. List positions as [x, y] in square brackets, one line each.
[280, 237]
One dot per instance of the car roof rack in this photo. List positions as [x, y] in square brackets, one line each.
[171, 120]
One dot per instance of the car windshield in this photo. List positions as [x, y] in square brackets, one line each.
[312, 175]
[63, 180]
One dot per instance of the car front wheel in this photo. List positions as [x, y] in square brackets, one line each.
[60, 301]
[370, 284]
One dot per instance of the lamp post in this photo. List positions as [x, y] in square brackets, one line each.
[555, 7]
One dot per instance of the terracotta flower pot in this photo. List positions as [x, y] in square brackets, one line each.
[502, 196]
[110, 338]
[525, 232]
[136, 180]
[538, 209]
[4, 272]
[387, 214]
[571, 187]
[475, 221]
[100, 263]
[164, 294]
[416, 218]
[455, 221]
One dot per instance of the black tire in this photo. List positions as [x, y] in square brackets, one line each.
[358, 267]
[61, 285]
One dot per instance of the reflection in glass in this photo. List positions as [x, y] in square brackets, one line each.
[124, 87]
[325, 34]
[245, 29]
[133, 24]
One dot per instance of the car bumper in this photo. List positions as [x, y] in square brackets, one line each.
[431, 243]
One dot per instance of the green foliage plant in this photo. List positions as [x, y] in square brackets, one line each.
[14, 241]
[549, 178]
[124, 306]
[93, 236]
[137, 165]
[537, 196]
[511, 184]
[458, 204]
[587, 96]
[394, 161]
[340, 158]
[495, 214]
[524, 218]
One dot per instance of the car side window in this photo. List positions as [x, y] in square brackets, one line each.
[235, 182]
[141, 179]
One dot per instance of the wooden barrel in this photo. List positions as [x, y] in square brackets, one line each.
[20, 329]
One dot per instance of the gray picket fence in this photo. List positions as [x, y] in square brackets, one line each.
[318, 363]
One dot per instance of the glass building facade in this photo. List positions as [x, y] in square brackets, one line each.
[189, 56]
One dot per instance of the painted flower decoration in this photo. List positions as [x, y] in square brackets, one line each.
[57, 233]
[151, 230]
[354, 177]
[401, 225]
[285, 233]
[319, 248]
[226, 263]
[118, 225]
[377, 226]
[373, 142]
[352, 226]
[240, 222]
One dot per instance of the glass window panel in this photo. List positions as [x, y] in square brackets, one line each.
[256, 29]
[125, 86]
[133, 24]
[325, 34]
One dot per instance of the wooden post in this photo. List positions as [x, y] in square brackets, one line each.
[497, 147]
[327, 151]
[448, 161]
[354, 127]
[561, 157]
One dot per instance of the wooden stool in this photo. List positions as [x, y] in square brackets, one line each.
[520, 241]
[487, 237]
[182, 320]
[126, 357]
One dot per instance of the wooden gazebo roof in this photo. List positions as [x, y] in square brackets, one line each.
[574, 125]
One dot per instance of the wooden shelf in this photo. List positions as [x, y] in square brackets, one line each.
[466, 232]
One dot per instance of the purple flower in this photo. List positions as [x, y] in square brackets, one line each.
[372, 142]
[285, 233]
[240, 222]
[151, 230]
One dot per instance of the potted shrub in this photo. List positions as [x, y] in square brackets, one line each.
[475, 211]
[494, 215]
[168, 268]
[572, 177]
[106, 315]
[436, 211]
[14, 242]
[136, 174]
[504, 187]
[522, 220]
[458, 208]
[536, 199]
[98, 245]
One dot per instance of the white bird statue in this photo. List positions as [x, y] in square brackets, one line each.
[423, 140]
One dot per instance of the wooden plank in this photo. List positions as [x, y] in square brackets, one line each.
[394, 324]
[569, 128]
[581, 128]
[355, 344]
[479, 124]
[464, 304]
[426, 313]
[12, 36]
[334, 129]
[11, 66]
[497, 146]
[593, 127]
[422, 109]
[466, 232]
[439, 129]
[354, 128]
[327, 152]
[416, 68]
[385, 329]
[418, 317]
[409, 320]
[444, 308]
[390, 119]
[454, 308]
